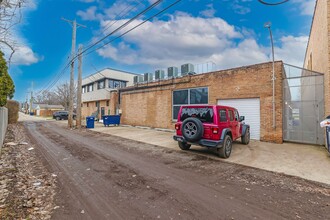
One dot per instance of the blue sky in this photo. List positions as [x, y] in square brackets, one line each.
[229, 33]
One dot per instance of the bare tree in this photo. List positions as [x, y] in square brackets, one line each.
[47, 97]
[63, 94]
[10, 15]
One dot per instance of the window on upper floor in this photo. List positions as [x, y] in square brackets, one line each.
[115, 84]
[101, 84]
[89, 87]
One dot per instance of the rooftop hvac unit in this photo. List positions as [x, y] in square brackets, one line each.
[148, 77]
[172, 72]
[140, 78]
[159, 74]
[186, 68]
[135, 79]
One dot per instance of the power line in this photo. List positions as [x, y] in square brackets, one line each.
[272, 4]
[114, 22]
[133, 28]
[126, 32]
[122, 26]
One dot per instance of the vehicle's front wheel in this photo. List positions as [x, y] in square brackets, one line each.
[58, 118]
[246, 137]
[225, 150]
[184, 146]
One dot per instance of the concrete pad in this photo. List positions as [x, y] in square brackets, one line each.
[305, 161]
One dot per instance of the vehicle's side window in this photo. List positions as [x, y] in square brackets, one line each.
[231, 115]
[236, 116]
[223, 115]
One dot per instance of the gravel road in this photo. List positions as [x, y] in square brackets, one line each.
[106, 177]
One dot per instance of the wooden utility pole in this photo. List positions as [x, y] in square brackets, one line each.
[31, 99]
[78, 119]
[73, 48]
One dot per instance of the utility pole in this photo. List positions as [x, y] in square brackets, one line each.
[73, 48]
[31, 99]
[78, 119]
[26, 103]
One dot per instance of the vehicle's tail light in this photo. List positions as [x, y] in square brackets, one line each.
[177, 127]
[215, 130]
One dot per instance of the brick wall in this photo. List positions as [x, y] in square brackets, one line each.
[152, 106]
[317, 54]
[87, 111]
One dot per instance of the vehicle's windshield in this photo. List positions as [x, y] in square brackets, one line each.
[205, 114]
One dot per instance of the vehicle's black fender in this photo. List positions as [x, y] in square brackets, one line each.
[225, 132]
[244, 128]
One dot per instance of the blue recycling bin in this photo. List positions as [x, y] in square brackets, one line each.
[111, 120]
[90, 122]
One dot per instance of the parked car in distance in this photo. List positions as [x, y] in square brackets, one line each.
[62, 115]
[211, 126]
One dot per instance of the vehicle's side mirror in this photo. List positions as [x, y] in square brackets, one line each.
[241, 118]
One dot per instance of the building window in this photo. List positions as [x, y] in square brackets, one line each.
[83, 89]
[107, 103]
[87, 104]
[96, 104]
[192, 96]
[115, 84]
[111, 84]
[101, 84]
[90, 88]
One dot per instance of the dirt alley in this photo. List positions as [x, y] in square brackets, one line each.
[106, 177]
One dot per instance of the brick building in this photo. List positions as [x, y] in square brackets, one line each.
[45, 110]
[98, 91]
[249, 89]
[317, 57]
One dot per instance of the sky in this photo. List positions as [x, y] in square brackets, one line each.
[228, 33]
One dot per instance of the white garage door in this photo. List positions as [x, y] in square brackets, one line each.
[250, 108]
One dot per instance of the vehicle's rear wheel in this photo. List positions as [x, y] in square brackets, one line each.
[192, 129]
[184, 146]
[58, 118]
[225, 150]
[246, 137]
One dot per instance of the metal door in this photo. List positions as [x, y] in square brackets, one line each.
[102, 111]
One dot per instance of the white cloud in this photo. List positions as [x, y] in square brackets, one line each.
[24, 56]
[209, 11]
[118, 9]
[306, 7]
[292, 50]
[183, 38]
[89, 14]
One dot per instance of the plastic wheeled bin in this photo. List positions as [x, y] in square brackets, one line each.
[90, 122]
[111, 120]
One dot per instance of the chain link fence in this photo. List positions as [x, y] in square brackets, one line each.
[303, 105]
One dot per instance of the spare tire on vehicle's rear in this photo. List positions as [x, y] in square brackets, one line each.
[192, 129]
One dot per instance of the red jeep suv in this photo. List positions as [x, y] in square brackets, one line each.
[211, 126]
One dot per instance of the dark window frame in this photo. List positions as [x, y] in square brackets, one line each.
[99, 84]
[177, 106]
